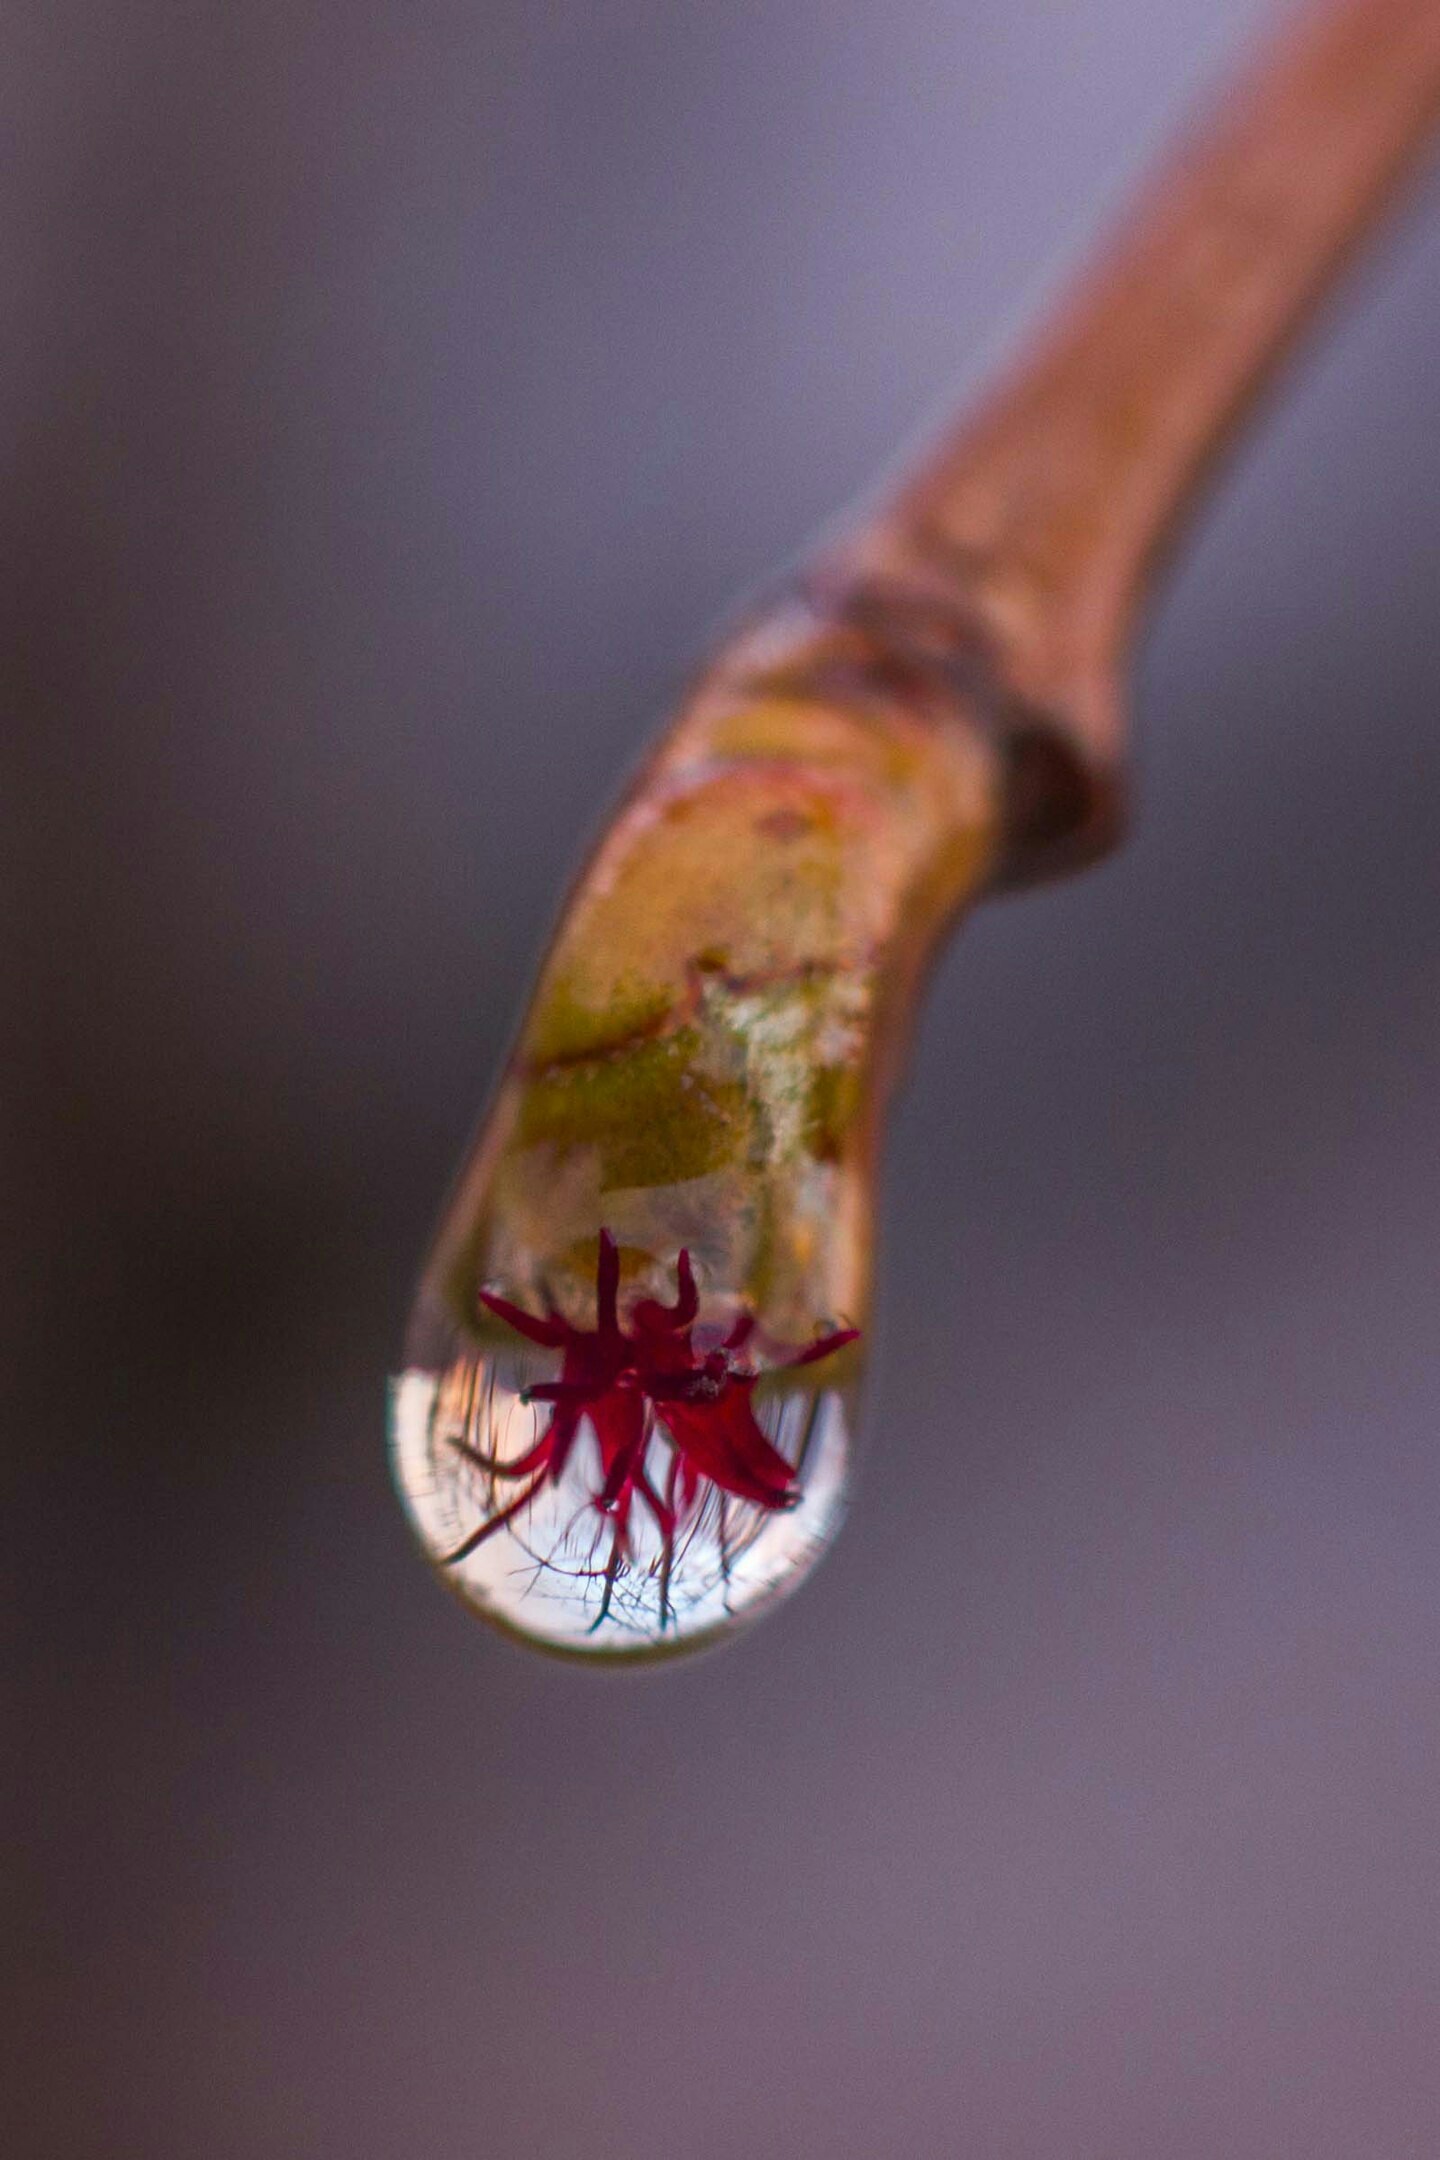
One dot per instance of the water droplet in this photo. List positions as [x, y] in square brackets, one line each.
[626, 1471]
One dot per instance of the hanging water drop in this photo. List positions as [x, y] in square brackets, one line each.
[642, 1481]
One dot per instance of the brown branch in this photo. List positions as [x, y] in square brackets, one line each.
[697, 1093]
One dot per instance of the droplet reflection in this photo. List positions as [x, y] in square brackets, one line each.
[560, 1571]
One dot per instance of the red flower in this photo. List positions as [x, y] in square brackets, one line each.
[622, 1380]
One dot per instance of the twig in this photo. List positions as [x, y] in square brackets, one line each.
[933, 712]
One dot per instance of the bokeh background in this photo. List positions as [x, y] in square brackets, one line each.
[396, 392]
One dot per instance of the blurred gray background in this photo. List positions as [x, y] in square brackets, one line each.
[396, 393]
